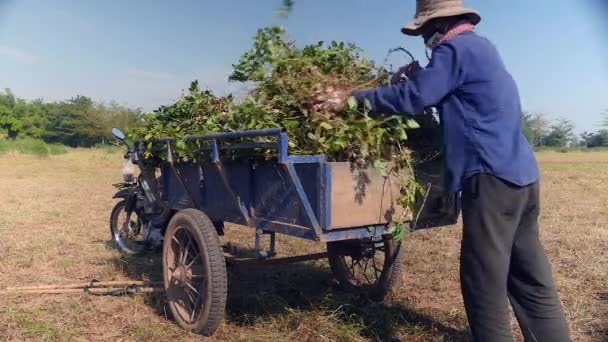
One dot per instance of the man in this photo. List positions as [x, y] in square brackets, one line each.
[489, 160]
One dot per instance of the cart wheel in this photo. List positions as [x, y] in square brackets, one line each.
[372, 265]
[126, 230]
[194, 272]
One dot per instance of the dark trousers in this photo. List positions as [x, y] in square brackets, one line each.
[502, 261]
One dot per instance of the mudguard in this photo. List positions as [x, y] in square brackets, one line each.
[130, 196]
[124, 193]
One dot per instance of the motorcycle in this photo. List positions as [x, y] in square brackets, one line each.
[134, 223]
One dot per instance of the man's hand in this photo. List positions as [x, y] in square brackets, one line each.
[408, 70]
[330, 101]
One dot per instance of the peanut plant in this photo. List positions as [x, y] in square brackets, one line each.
[284, 77]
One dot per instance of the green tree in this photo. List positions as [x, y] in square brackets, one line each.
[561, 134]
[10, 122]
[76, 122]
[535, 128]
[586, 138]
[68, 122]
[598, 139]
[102, 117]
[32, 116]
[18, 117]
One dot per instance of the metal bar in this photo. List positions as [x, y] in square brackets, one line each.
[356, 233]
[251, 262]
[238, 134]
[258, 243]
[295, 180]
[248, 146]
[215, 153]
[306, 159]
[284, 228]
[325, 211]
[169, 154]
[244, 146]
[252, 192]
[283, 147]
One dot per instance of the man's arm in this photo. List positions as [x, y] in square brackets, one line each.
[425, 89]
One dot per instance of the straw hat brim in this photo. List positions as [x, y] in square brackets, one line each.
[413, 27]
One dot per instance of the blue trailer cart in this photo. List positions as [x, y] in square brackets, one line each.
[234, 181]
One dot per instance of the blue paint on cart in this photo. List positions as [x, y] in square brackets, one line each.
[285, 194]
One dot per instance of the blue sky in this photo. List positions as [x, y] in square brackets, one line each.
[143, 53]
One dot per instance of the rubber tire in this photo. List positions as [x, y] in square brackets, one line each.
[208, 240]
[113, 226]
[391, 273]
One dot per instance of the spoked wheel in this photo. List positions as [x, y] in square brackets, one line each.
[373, 266]
[194, 272]
[126, 229]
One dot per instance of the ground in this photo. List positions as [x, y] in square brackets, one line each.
[54, 224]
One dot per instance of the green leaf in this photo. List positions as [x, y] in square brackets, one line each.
[326, 126]
[380, 167]
[413, 124]
[352, 103]
[402, 134]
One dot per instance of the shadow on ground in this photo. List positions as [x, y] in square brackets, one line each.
[266, 292]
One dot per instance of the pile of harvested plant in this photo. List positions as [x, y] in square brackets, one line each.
[284, 77]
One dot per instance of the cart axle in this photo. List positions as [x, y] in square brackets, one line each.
[253, 262]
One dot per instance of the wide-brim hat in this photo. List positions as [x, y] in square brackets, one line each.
[427, 10]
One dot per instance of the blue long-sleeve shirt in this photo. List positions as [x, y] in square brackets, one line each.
[479, 107]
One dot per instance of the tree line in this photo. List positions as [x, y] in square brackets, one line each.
[77, 122]
[82, 122]
[541, 132]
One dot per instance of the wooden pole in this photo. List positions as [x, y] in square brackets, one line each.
[89, 285]
[101, 291]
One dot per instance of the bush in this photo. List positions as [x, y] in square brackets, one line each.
[32, 146]
[4, 147]
[56, 149]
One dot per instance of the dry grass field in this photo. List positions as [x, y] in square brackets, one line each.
[54, 230]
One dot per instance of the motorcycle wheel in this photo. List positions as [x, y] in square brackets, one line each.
[126, 230]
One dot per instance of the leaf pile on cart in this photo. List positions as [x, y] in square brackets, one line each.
[283, 77]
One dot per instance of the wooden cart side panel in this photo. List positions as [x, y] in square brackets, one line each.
[360, 198]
